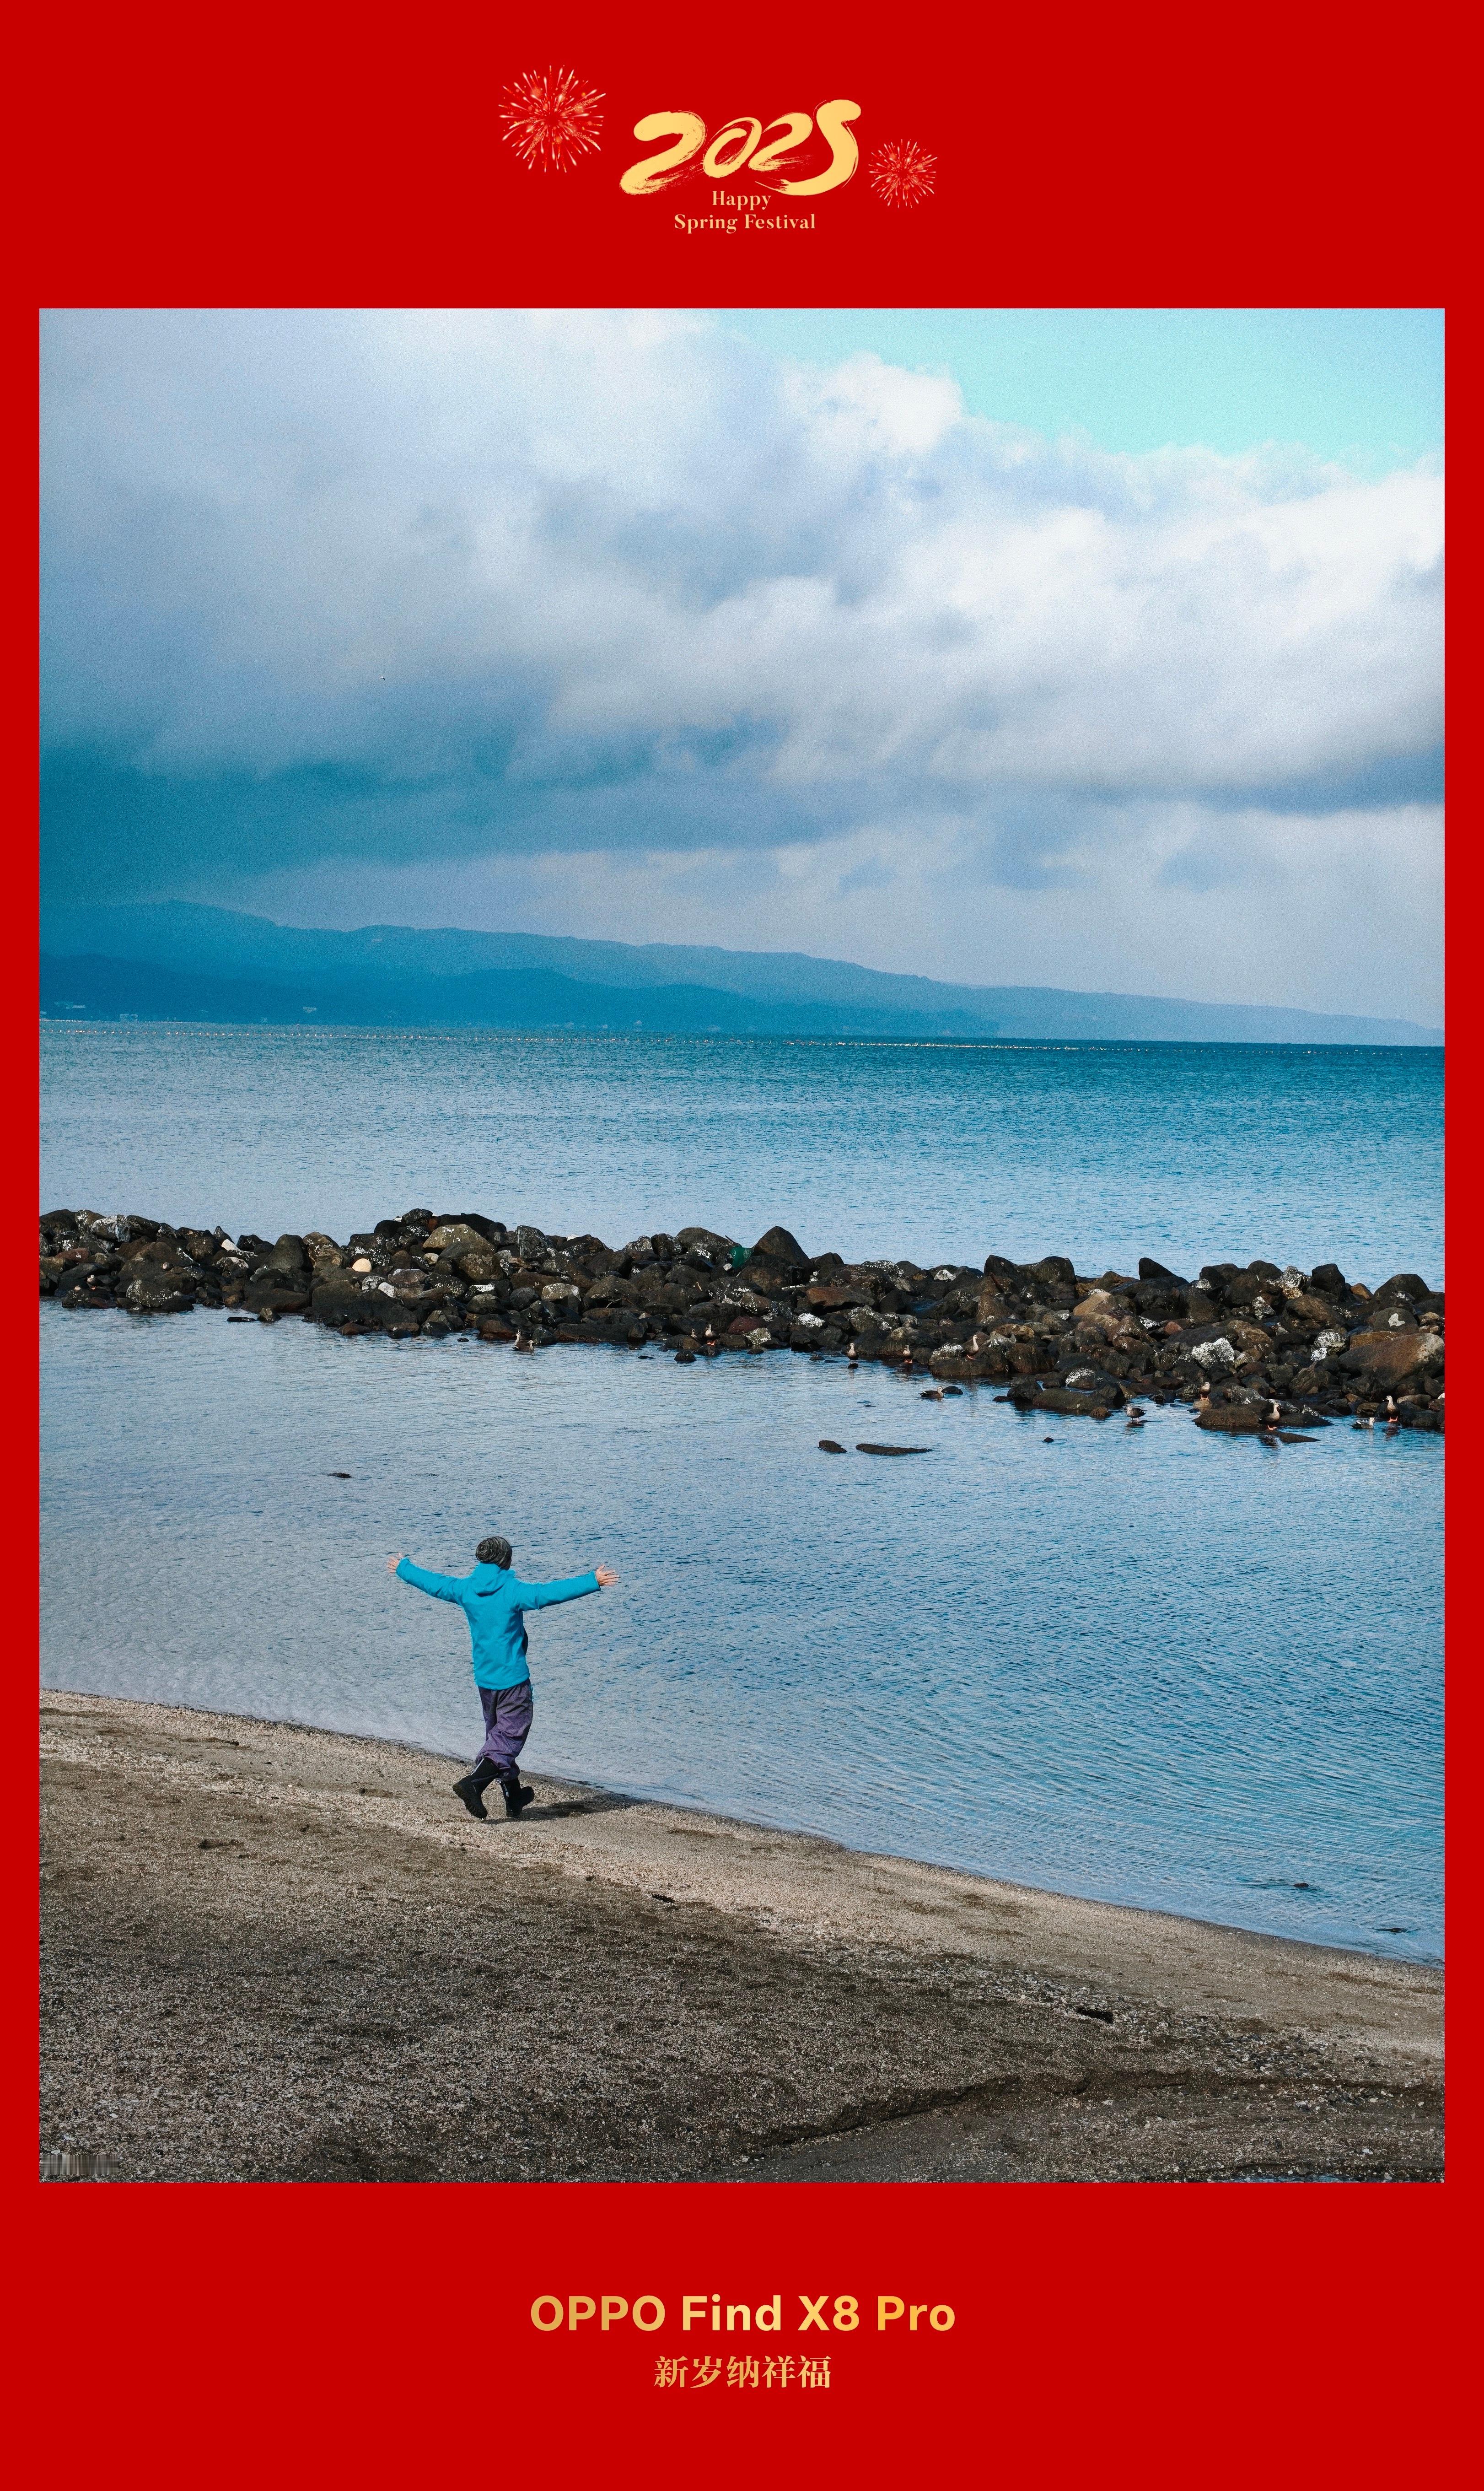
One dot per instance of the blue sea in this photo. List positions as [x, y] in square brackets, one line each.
[1153, 1668]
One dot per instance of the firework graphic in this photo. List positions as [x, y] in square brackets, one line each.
[551, 117]
[902, 172]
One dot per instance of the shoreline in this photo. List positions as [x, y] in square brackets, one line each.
[667, 1994]
[677, 1815]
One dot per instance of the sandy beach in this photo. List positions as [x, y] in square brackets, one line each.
[281, 1954]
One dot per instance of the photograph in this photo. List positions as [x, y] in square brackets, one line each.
[885, 867]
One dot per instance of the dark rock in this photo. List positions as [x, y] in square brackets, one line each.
[86, 1288]
[120, 1227]
[828, 1445]
[1244, 1419]
[893, 1448]
[1402, 1286]
[1328, 1280]
[337, 1298]
[1052, 1269]
[150, 1288]
[1388, 1358]
[459, 1239]
[766, 1279]
[276, 1291]
[1149, 1270]
[710, 1240]
[157, 1253]
[1072, 1404]
[960, 1364]
[781, 1245]
[1096, 1382]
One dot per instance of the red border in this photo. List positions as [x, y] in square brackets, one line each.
[1158, 2335]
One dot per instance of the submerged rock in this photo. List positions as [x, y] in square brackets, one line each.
[1072, 1404]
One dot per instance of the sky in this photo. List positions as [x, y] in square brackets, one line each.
[1080, 649]
[1363, 387]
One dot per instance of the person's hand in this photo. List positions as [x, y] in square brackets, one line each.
[393, 1563]
[605, 1575]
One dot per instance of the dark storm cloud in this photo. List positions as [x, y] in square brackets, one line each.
[403, 587]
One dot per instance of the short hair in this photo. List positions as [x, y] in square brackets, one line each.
[494, 1552]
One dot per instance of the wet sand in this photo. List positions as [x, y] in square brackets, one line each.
[280, 1953]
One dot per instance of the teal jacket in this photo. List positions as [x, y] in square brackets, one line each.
[494, 1601]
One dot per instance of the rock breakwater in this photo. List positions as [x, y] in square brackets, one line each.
[1237, 1340]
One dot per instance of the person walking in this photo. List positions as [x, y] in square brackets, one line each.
[495, 1601]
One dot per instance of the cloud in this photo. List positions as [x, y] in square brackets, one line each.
[329, 595]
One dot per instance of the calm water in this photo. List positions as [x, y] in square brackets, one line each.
[1159, 1668]
[1190, 1153]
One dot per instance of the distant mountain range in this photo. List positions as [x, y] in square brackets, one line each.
[176, 960]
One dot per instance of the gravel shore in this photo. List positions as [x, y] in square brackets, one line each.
[280, 1954]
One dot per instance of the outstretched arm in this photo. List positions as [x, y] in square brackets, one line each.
[443, 1587]
[573, 1586]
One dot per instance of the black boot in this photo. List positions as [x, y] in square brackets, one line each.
[517, 1795]
[472, 1788]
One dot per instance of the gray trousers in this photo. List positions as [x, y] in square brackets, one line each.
[508, 1712]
